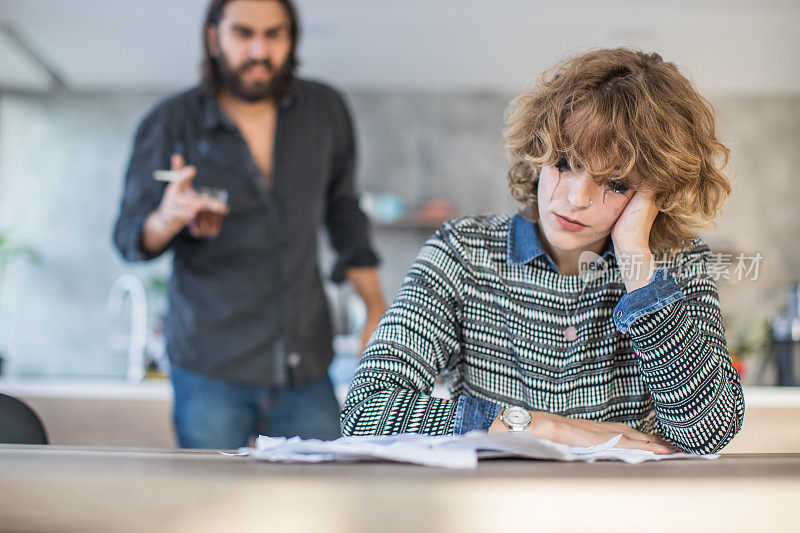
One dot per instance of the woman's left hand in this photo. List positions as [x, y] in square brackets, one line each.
[631, 232]
[631, 237]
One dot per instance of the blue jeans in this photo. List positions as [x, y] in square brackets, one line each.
[216, 414]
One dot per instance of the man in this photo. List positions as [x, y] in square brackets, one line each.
[248, 332]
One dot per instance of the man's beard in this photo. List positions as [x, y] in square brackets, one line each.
[273, 89]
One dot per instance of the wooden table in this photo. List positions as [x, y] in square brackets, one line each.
[115, 489]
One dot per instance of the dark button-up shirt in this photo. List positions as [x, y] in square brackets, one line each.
[249, 303]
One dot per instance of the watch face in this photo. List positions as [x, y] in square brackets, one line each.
[517, 416]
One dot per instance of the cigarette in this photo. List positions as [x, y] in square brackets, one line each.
[167, 175]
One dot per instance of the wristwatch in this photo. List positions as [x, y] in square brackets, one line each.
[516, 418]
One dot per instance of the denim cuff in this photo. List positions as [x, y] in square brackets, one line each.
[656, 295]
[474, 413]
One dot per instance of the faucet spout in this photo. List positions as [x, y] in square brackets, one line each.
[132, 286]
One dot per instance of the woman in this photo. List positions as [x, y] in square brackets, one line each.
[615, 159]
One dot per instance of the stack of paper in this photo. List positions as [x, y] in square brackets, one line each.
[449, 451]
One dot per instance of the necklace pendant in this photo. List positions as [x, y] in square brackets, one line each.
[571, 333]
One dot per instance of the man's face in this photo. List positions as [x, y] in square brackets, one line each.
[252, 44]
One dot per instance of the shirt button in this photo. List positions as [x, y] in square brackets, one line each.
[293, 359]
[619, 314]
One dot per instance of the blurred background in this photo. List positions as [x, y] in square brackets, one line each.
[428, 83]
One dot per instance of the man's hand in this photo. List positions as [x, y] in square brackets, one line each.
[580, 432]
[179, 205]
[366, 283]
[373, 317]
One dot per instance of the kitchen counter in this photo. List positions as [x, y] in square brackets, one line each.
[83, 489]
[87, 389]
[117, 413]
[99, 412]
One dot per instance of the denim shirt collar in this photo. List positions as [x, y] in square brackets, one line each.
[524, 245]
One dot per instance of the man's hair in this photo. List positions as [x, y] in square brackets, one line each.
[211, 77]
[620, 110]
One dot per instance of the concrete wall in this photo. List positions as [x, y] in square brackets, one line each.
[763, 213]
[62, 158]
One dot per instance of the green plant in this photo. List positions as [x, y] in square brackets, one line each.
[157, 285]
[9, 250]
[751, 337]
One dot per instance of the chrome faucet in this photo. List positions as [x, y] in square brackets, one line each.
[133, 286]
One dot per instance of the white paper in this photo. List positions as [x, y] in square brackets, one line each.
[448, 451]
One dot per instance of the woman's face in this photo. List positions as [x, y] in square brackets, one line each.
[575, 213]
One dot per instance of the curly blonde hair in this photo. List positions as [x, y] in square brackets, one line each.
[616, 111]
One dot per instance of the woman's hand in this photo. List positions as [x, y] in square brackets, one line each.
[580, 432]
[631, 237]
[631, 232]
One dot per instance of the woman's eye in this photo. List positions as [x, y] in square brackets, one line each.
[617, 187]
[562, 165]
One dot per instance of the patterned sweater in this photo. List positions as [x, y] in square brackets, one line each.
[485, 307]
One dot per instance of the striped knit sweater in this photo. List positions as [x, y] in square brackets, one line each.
[488, 313]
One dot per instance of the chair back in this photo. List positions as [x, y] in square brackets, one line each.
[19, 424]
